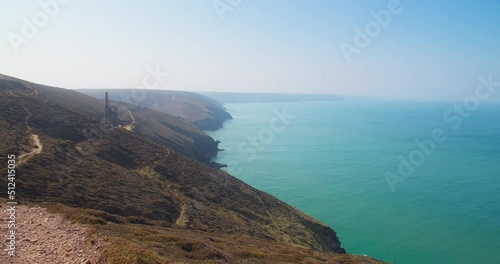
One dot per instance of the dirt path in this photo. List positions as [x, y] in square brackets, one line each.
[28, 128]
[181, 219]
[43, 237]
[34, 91]
[38, 145]
[129, 127]
[245, 188]
[36, 150]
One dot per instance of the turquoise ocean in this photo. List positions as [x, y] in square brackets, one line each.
[331, 159]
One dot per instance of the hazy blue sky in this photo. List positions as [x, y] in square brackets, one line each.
[434, 49]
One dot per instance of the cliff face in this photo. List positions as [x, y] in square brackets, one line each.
[216, 116]
[203, 112]
[132, 181]
[173, 132]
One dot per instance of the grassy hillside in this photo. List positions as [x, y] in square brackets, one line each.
[63, 105]
[156, 203]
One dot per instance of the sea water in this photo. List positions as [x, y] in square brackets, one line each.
[339, 162]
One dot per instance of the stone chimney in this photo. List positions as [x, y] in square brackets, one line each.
[106, 106]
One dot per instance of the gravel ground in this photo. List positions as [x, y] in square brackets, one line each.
[42, 237]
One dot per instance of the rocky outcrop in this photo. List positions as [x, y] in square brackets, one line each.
[214, 119]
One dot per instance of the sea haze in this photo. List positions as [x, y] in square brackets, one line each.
[330, 160]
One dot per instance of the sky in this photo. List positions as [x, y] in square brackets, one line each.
[415, 49]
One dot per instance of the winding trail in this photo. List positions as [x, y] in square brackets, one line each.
[34, 91]
[247, 190]
[129, 127]
[181, 219]
[28, 128]
[36, 150]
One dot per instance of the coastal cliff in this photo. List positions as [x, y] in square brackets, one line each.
[146, 191]
[203, 112]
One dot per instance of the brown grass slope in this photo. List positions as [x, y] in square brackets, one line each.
[157, 126]
[156, 204]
